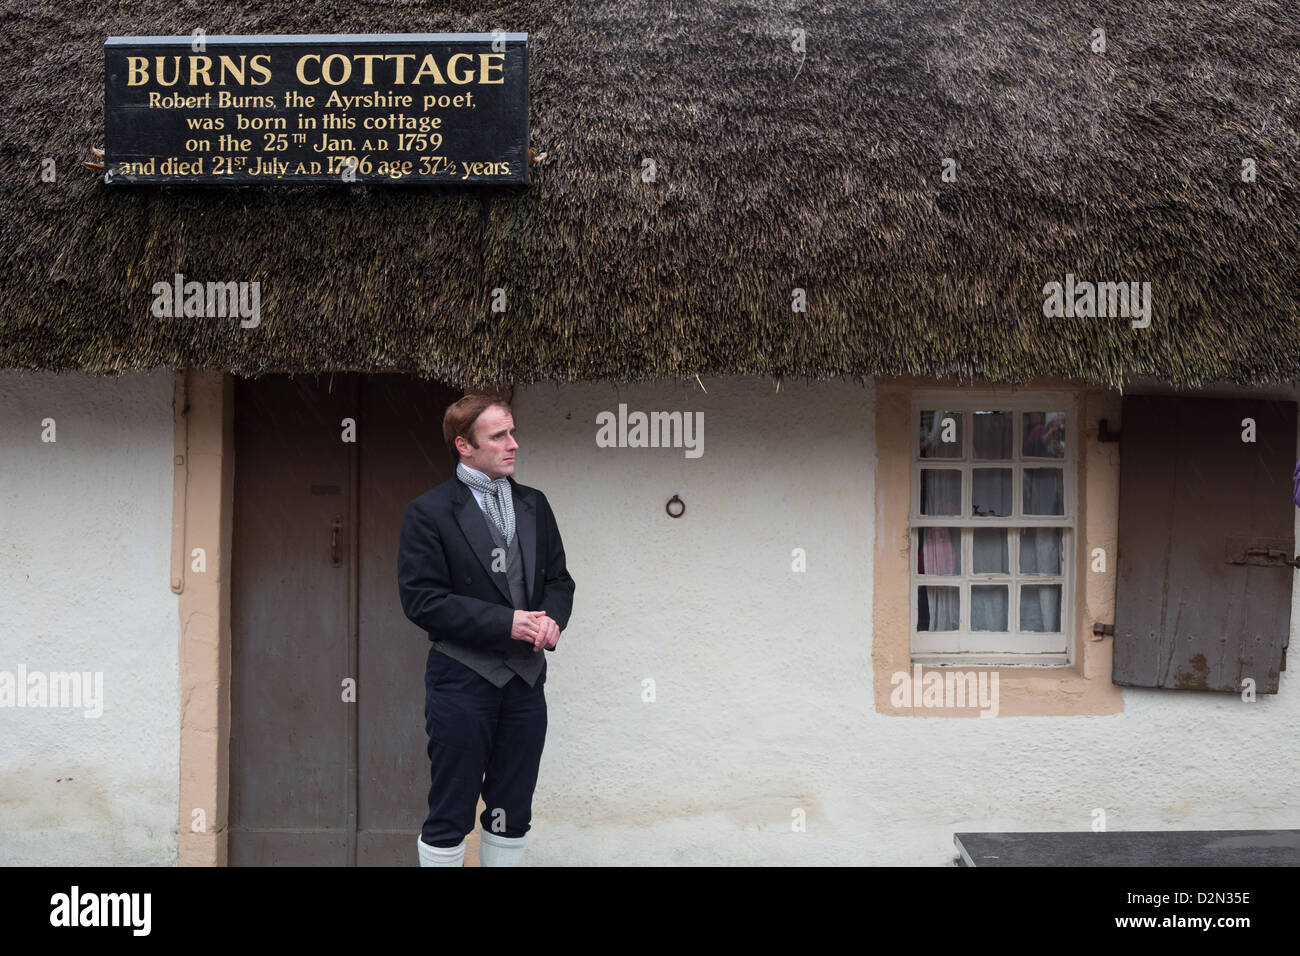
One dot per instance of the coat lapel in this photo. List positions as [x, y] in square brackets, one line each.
[526, 529]
[473, 523]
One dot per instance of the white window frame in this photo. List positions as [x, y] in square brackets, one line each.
[963, 646]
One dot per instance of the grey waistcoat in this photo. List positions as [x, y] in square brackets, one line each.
[500, 666]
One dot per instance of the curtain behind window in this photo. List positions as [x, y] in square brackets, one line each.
[988, 605]
[941, 548]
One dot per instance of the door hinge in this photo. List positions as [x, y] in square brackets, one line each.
[1259, 552]
[1264, 558]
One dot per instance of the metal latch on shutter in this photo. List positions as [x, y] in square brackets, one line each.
[1259, 552]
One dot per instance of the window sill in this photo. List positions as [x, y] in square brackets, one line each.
[1005, 691]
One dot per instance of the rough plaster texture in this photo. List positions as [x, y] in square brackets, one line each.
[763, 684]
[85, 532]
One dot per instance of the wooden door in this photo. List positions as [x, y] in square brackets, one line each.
[324, 774]
[402, 456]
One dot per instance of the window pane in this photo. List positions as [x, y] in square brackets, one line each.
[991, 491]
[938, 609]
[934, 431]
[992, 434]
[1044, 434]
[1044, 491]
[988, 607]
[990, 551]
[940, 551]
[1040, 551]
[1040, 607]
[940, 491]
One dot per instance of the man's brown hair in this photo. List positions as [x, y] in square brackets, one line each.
[461, 416]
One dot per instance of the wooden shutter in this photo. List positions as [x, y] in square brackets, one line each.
[1206, 521]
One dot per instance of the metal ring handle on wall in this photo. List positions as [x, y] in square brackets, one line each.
[669, 507]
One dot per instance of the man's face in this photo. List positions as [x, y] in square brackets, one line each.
[495, 454]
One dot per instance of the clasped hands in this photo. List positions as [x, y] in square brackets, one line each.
[536, 628]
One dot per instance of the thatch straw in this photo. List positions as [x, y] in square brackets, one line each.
[774, 171]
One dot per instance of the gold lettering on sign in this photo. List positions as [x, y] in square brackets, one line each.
[138, 74]
[429, 65]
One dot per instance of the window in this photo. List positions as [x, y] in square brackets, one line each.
[993, 522]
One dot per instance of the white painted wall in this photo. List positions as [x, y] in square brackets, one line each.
[85, 544]
[763, 676]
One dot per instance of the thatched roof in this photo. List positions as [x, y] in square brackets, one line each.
[774, 171]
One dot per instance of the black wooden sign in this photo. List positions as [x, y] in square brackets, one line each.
[435, 108]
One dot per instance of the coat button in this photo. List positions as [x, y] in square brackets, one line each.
[469, 580]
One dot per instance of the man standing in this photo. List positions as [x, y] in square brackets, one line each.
[481, 568]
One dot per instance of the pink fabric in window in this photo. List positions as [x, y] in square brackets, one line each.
[938, 550]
